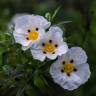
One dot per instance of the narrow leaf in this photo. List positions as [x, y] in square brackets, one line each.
[55, 12]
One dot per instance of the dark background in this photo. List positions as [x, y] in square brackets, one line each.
[17, 75]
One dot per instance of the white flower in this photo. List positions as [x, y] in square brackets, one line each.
[51, 45]
[71, 70]
[29, 29]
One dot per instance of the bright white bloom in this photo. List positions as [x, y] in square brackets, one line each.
[71, 69]
[29, 29]
[51, 45]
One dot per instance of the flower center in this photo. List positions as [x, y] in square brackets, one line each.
[33, 35]
[68, 68]
[49, 47]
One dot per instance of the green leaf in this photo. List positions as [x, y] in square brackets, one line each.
[55, 12]
[93, 26]
[63, 22]
[20, 91]
[39, 82]
[7, 69]
[48, 16]
[30, 91]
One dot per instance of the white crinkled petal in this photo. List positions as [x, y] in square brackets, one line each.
[40, 21]
[77, 54]
[26, 22]
[37, 54]
[20, 31]
[21, 40]
[20, 37]
[62, 48]
[73, 78]
[80, 77]
[46, 37]
[55, 69]
[51, 56]
[22, 21]
[70, 85]
[83, 71]
[19, 17]
[67, 82]
[57, 33]
[41, 33]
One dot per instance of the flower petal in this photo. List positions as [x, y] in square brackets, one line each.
[56, 32]
[27, 21]
[70, 85]
[55, 70]
[41, 33]
[77, 54]
[42, 21]
[21, 40]
[22, 21]
[20, 31]
[83, 71]
[51, 56]
[37, 54]
[62, 49]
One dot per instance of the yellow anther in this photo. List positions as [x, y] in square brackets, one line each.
[49, 48]
[33, 35]
[68, 68]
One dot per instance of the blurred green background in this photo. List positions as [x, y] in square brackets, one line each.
[20, 75]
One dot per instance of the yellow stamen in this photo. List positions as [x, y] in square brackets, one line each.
[33, 35]
[49, 48]
[68, 68]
